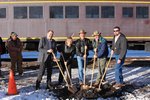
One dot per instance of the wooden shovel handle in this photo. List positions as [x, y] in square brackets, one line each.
[105, 71]
[60, 69]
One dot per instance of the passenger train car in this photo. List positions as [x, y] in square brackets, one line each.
[31, 19]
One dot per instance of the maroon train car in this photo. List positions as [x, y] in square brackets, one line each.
[31, 19]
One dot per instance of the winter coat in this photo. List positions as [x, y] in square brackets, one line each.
[80, 45]
[14, 48]
[102, 47]
[1, 48]
[67, 52]
[120, 47]
[43, 47]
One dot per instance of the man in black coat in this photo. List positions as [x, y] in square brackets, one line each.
[1, 49]
[119, 49]
[82, 44]
[47, 45]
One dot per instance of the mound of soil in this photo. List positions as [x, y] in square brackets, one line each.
[107, 90]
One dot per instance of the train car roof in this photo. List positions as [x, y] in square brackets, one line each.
[72, 0]
[84, 1]
[47, 1]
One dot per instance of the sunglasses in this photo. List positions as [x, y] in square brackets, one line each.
[116, 30]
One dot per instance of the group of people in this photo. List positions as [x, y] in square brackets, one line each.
[48, 48]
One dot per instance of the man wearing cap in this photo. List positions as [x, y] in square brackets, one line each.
[14, 46]
[82, 44]
[101, 52]
[119, 49]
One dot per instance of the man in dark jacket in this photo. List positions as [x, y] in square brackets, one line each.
[1, 50]
[47, 45]
[15, 46]
[101, 52]
[67, 52]
[119, 49]
[82, 44]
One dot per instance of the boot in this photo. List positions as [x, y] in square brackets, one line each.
[49, 85]
[37, 85]
[1, 76]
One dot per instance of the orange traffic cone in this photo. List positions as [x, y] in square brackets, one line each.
[12, 90]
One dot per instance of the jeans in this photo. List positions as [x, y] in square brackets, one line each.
[80, 68]
[118, 70]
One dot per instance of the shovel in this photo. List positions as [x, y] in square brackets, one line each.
[84, 85]
[99, 89]
[69, 88]
[93, 71]
[73, 88]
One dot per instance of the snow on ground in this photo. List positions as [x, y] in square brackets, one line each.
[139, 76]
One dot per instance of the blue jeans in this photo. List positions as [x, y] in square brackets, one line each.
[118, 70]
[80, 68]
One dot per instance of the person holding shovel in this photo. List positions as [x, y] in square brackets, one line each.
[101, 52]
[82, 47]
[119, 49]
[47, 46]
[67, 52]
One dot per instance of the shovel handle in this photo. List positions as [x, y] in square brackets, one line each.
[85, 64]
[66, 69]
[60, 69]
[105, 71]
[92, 71]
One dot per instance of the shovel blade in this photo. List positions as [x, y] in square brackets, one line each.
[98, 89]
[85, 87]
[72, 89]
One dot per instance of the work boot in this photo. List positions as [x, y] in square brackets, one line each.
[118, 85]
[81, 83]
[37, 85]
[49, 86]
[20, 74]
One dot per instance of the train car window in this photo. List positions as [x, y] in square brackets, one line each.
[71, 12]
[35, 12]
[20, 12]
[142, 12]
[127, 12]
[107, 11]
[2, 12]
[92, 11]
[56, 11]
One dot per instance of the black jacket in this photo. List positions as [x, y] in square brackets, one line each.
[66, 52]
[80, 44]
[120, 47]
[1, 48]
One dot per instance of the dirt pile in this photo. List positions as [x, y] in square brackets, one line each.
[107, 90]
